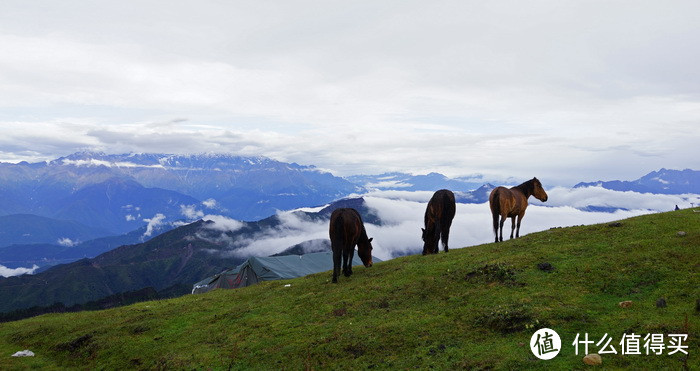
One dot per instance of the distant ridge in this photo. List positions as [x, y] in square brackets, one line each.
[32, 229]
[171, 261]
[664, 181]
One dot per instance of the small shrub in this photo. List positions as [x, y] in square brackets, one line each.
[509, 319]
[499, 272]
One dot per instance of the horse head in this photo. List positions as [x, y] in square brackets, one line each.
[364, 251]
[430, 239]
[538, 191]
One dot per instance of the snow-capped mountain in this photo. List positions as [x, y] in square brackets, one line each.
[118, 193]
[409, 182]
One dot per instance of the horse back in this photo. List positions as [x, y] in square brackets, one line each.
[346, 226]
[501, 201]
[440, 207]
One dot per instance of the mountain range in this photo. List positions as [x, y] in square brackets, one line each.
[664, 181]
[116, 192]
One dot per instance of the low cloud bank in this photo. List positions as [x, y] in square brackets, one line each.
[11, 272]
[223, 223]
[472, 224]
[601, 197]
[402, 213]
[293, 229]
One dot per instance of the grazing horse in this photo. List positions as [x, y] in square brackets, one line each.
[511, 203]
[347, 230]
[438, 219]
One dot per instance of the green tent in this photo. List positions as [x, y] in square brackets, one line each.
[257, 269]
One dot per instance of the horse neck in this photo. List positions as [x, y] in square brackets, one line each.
[527, 188]
[363, 235]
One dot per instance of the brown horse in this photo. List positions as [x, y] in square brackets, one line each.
[438, 219]
[347, 230]
[511, 203]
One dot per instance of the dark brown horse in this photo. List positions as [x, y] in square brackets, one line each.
[347, 230]
[438, 219]
[511, 203]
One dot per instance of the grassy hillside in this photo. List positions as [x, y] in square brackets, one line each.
[475, 307]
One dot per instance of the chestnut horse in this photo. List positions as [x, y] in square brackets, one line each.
[347, 230]
[438, 219]
[511, 203]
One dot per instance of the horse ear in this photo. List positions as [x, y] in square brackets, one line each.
[423, 229]
[370, 240]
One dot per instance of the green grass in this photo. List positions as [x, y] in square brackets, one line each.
[472, 308]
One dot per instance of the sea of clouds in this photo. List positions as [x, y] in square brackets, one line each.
[402, 213]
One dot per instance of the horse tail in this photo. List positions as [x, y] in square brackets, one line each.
[339, 227]
[448, 209]
[495, 203]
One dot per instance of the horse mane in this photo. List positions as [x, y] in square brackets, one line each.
[363, 232]
[527, 188]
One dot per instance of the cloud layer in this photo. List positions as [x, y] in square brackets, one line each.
[10, 272]
[564, 92]
[402, 212]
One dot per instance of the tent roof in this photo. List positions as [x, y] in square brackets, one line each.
[290, 266]
[283, 267]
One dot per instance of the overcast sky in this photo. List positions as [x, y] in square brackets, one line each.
[563, 90]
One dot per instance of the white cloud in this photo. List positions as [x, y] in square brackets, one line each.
[292, 230]
[11, 272]
[190, 212]
[222, 223]
[67, 242]
[153, 224]
[211, 204]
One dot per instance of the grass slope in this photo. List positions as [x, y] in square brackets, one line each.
[475, 307]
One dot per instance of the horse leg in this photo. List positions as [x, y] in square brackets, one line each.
[351, 256]
[336, 262]
[445, 236]
[347, 260]
[503, 220]
[436, 236]
[512, 226]
[495, 226]
[520, 219]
